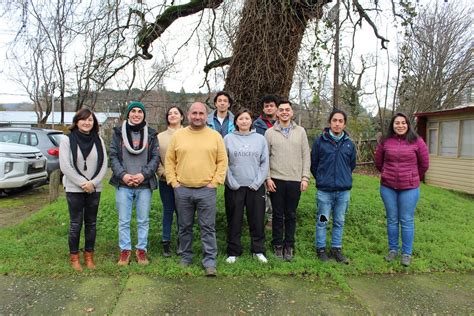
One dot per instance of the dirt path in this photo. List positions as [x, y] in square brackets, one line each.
[18, 206]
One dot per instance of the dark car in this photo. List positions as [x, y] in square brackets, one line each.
[46, 140]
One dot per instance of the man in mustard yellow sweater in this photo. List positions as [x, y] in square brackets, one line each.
[196, 163]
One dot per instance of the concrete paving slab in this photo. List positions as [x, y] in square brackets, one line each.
[437, 293]
[210, 296]
[433, 293]
[62, 296]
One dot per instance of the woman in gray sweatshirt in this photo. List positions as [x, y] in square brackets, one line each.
[83, 161]
[244, 189]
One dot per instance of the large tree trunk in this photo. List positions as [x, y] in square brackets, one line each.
[266, 50]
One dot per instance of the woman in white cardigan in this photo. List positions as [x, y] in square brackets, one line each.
[83, 161]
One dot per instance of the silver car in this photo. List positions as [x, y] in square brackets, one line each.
[46, 140]
[20, 166]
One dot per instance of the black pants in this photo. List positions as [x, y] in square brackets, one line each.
[83, 207]
[254, 204]
[284, 202]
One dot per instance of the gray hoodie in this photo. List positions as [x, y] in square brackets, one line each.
[248, 160]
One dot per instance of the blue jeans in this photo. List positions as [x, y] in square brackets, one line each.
[336, 202]
[169, 208]
[400, 208]
[124, 198]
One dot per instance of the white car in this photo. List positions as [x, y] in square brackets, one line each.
[21, 165]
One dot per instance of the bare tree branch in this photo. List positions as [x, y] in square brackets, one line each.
[152, 31]
[437, 61]
[221, 62]
[363, 14]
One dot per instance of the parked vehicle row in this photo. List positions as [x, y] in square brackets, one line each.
[20, 166]
[27, 155]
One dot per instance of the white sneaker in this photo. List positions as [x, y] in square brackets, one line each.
[231, 259]
[261, 257]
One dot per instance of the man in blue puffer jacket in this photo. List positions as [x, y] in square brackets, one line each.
[221, 119]
[333, 158]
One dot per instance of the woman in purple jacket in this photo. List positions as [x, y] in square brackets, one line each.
[402, 159]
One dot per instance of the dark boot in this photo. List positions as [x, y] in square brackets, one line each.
[75, 263]
[89, 259]
[336, 253]
[278, 250]
[288, 253]
[166, 248]
[322, 255]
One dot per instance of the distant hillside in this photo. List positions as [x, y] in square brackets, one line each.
[23, 106]
[116, 100]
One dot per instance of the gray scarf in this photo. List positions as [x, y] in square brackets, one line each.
[127, 143]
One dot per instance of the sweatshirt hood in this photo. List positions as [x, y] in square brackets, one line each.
[252, 131]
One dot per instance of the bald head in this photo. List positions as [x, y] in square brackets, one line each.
[197, 115]
[198, 105]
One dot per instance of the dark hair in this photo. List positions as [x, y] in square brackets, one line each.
[239, 113]
[268, 98]
[218, 94]
[82, 114]
[337, 111]
[283, 101]
[179, 110]
[411, 135]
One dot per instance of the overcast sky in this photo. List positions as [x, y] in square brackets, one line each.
[188, 73]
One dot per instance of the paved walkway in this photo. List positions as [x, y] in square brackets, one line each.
[446, 293]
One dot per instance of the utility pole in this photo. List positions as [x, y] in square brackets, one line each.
[335, 94]
[52, 105]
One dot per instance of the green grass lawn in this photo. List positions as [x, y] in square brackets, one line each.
[444, 239]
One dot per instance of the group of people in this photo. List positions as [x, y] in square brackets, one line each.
[270, 154]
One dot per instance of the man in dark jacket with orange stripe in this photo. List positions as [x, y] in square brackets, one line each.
[333, 158]
[265, 121]
[268, 117]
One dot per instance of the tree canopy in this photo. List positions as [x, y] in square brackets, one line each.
[249, 48]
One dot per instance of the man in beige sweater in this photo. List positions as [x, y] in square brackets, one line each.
[196, 163]
[288, 176]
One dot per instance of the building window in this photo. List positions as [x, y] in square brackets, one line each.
[467, 138]
[433, 141]
[449, 138]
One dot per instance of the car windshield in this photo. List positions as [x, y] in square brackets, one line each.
[56, 138]
[10, 137]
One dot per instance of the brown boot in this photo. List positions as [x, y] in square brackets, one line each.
[75, 263]
[89, 259]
